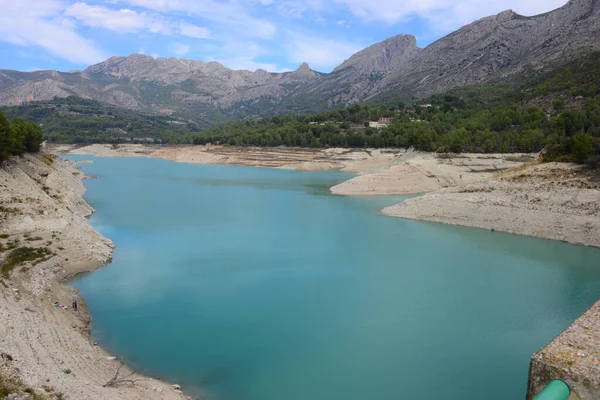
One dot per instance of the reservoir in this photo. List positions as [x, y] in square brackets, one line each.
[246, 283]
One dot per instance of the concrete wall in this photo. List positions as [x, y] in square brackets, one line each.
[573, 356]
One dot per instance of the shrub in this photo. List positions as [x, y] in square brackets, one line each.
[582, 148]
[49, 159]
[21, 255]
[593, 162]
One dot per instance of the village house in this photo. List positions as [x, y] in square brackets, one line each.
[383, 122]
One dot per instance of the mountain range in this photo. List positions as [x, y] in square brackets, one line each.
[503, 47]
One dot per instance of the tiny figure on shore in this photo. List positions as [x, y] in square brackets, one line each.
[75, 305]
[56, 304]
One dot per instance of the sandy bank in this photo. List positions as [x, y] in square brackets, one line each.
[418, 172]
[48, 348]
[302, 159]
[555, 201]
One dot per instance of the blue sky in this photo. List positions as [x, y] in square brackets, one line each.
[270, 34]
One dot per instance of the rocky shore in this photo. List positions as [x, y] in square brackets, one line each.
[47, 349]
[555, 201]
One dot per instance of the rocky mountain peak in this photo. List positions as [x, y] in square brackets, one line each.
[493, 48]
[383, 55]
[303, 71]
[506, 15]
[303, 68]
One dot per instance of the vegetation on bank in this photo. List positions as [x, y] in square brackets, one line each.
[559, 112]
[14, 388]
[21, 255]
[18, 137]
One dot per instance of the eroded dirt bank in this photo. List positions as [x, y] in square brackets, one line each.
[46, 347]
[555, 201]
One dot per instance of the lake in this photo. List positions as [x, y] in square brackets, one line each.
[257, 284]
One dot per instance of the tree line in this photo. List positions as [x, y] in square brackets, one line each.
[18, 137]
[449, 124]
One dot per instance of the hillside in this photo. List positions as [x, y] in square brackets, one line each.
[550, 109]
[490, 50]
[76, 120]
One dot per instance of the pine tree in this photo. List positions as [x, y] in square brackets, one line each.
[33, 137]
[582, 148]
[19, 128]
[6, 137]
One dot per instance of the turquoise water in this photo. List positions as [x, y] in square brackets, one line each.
[256, 284]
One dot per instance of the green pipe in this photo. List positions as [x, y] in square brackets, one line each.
[555, 390]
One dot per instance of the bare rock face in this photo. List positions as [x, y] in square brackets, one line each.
[383, 56]
[492, 48]
[500, 46]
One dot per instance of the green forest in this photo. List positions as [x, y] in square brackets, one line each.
[76, 120]
[18, 137]
[558, 112]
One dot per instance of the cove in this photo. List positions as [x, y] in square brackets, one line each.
[257, 284]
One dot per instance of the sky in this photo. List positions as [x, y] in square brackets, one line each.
[276, 35]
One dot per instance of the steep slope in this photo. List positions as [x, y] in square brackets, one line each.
[163, 86]
[490, 49]
[494, 48]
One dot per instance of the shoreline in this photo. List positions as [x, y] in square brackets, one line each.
[46, 348]
[510, 193]
[553, 201]
[59, 185]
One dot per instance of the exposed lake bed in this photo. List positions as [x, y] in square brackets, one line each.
[284, 291]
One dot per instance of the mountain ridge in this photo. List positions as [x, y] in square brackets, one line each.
[491, 48]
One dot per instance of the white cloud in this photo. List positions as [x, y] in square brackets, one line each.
[320, 53]
[193, 31]
[180, 49]
[129, 21]
[454, 12]
[231, 16]
[38, 23]
[123, 20]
